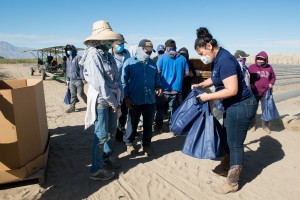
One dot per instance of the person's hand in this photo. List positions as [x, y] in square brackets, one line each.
[204, 97]
[118, 111]
[128, 102]
[68, 83]
[200, 85]
[159, 92]
[194, 85]
[270, 86]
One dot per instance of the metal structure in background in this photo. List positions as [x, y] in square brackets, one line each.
[48, 65]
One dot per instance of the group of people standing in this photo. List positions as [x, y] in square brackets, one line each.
[125, 84]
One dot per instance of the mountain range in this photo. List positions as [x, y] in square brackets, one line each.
[10, 51]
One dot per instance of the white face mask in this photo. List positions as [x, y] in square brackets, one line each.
[206, 59]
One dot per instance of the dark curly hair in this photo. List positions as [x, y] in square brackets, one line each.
[204, 37]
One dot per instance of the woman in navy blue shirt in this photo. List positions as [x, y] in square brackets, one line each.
[238, 102]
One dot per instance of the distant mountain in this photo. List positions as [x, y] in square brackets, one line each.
[12, 52]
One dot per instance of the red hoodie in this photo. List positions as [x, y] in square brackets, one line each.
[261, 76]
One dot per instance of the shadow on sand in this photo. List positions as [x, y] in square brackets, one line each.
[268, 152]
[70, 149]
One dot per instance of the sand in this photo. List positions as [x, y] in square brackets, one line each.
[271, 168]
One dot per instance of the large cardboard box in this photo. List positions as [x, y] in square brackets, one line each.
[23, 123]
[25, 172]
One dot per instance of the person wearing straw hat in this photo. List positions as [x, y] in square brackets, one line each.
[104, 98]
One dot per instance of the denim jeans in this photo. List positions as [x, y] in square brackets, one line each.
[261, 99]
[237, 119]
[172, 100]
[77, 86]
[105, 126]
[147, 110]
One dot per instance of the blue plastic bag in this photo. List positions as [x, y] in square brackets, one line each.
[184, 116]
[270, 111]
[67, 99]
[206, 138]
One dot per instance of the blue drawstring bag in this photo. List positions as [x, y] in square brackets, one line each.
[270, 111]
[206, 138]
[67, 99]
[184, 116]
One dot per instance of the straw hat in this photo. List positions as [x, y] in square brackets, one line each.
[103, 31]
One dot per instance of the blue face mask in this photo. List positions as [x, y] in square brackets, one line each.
[119, 48]
[69, 53]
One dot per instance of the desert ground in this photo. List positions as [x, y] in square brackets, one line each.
[271, 167]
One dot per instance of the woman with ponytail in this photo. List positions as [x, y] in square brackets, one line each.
[238, 102]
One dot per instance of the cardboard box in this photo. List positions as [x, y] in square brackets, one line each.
[23, 123]
[40, 162]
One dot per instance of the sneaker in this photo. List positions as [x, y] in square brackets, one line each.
[102, 175]
[111, 162]
[70, 110]
[131, 150]
[147, 151]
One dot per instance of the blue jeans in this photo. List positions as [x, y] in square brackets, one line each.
[105, 126]
[77, 86]
[147, 110]
[237, 119]
[172, 100]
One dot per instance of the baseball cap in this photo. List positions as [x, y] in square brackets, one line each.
[147, 44]
[240, 54]
[160, 48]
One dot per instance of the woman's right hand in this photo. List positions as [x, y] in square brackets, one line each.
[199, 85]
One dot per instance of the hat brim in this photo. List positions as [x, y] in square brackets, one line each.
[105, 35]
[244, 56]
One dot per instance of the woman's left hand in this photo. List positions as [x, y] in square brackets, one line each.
[204, 97]
[270, 86]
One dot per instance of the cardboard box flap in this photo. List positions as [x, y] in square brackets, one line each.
[12, 84]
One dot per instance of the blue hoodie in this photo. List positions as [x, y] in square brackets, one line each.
[74, 71]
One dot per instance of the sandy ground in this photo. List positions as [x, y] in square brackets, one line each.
[271, 167]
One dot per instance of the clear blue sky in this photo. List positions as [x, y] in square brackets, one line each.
[270, 25]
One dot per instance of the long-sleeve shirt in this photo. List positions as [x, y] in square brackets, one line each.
[101, 72]
[140, 80]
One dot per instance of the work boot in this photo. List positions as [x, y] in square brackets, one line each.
[231, 183]
[147, 151]
[71, 109]
[223, 168]
[265, 126]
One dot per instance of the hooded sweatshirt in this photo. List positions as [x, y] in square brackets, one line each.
[74, 70]
[172, 68]
[261, 76]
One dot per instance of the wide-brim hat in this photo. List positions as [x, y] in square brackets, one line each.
[240, 54]
[103, 31]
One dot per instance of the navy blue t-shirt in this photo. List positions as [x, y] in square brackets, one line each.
[224, 66]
